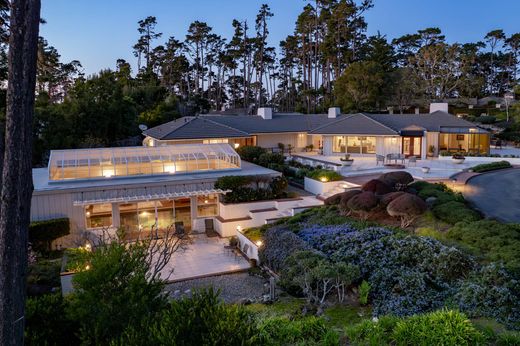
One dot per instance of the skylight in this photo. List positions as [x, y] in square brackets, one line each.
[102, 163]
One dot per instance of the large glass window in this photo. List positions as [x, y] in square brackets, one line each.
[368, 145]
[338, 145]
[207, 205]
[467, 142]
[98, 215]
[128, 216]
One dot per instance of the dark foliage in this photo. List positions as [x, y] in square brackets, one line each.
[42, 233]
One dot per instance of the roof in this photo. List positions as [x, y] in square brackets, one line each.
[233, 126]
[356, 124]
[431, 122]
[194, 127]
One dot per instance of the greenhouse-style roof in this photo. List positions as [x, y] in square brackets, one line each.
[101, 163]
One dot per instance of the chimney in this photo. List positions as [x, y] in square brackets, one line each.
[390, 110]
[443, 107]
[265, 112]
[334, 112]
[417, 110]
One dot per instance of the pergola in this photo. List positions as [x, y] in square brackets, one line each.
[101, 163]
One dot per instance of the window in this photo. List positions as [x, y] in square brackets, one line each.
[214, 141]
[354, 145]
[338, 144]
[369, 145]
[98, 215]
[207, 205]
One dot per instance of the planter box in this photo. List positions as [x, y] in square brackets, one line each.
[252, 251]
[347, 163]
[457, 161]
[320, 188]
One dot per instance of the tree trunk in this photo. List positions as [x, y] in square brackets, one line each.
[17, 171]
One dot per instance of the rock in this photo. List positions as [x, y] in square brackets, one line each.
[430, 201]
[188, 291]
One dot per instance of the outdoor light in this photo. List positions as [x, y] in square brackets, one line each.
[206, 201]
[259, 243]
[239, 228]
[323, 179]
[88, 213]
[108, 173]
[88, 247]
[237, 145]
[87, 267]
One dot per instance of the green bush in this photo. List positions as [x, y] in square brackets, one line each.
[47, 323]
[306, 331]
[117, 291]
[485, 167]
[251, 188]
[453, 212]
[251, 153]
[486, 119]
[271, 159]
[319, 174]
[364, 290]
[203, 319]
[495, 241]
[444, 327]
[42, 233]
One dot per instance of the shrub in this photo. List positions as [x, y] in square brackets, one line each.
[306, 331]
[203, 319]
[453, 212]
[250, 153]
[362, 203]
[486, 119]
[279, 244]
[319, 174]
[377, 187]
[42, 233]
[398, 177]
[364, 290]
[408, 207]
[491, 292]
[251, 188]
[47, 321]
[116, 292]
[270, 159]
[493, 240]
[485, 167]
[444, 327]
[389, 197]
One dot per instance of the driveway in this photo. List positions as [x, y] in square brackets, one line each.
[496, 194]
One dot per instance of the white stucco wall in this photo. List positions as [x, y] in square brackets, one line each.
[297, 140]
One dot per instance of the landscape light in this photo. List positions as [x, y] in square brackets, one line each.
[323, 179]
[259, 243]
[237, 145]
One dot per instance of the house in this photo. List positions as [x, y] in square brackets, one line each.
[136, 187]
[333, 133]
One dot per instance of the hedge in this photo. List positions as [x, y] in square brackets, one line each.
[453, 212]
[329, 175]
[485, 167]
[42, 233]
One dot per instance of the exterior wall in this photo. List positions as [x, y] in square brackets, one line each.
[432, 138]
[327, 146]
[297, 140]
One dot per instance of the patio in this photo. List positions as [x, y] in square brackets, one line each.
[365, 165]
[204, 257]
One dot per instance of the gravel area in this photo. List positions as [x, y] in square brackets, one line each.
[233, 287]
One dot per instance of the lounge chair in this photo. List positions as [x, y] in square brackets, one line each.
[380, 158]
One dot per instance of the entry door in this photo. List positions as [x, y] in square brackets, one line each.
[412, 146]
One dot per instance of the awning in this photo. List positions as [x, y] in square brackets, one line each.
[149, 197]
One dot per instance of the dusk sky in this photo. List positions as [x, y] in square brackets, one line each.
[97, 32]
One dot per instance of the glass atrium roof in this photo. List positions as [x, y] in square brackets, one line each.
[100, 163]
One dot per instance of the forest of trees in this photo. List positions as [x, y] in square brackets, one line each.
[329, 60]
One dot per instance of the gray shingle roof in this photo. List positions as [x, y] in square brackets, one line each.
[355, 124]
[431, 122]
[232, 126]
[193, 128]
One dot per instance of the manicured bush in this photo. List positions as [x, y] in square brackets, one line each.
[324, 174]
[491, 239]
[398, 177]
[279, 244]
[250, 153]
[377, 187]
[407, 207]
[485, 167]
[486, 119]
[42, 233]
[362, 203]
[453, 212]
[251, 188]
[491, 292]
[270, 159]
[389, 197]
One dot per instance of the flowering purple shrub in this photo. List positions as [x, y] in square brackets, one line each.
[279, 244]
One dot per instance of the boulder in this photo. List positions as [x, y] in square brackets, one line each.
[377, 187]
[398, 177]
[389, 197]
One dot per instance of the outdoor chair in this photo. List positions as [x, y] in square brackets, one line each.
[401, 157]
[412, 160]
[380, 158]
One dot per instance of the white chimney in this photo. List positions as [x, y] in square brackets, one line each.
[334, 112]
[417, 110]
[265, 112]
[443, 107]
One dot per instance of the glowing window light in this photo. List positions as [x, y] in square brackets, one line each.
[107, 173]
[169, 169]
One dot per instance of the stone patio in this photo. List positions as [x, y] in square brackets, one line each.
[204, 257]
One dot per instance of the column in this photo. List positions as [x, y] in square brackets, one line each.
[116, 221]
[193, 210]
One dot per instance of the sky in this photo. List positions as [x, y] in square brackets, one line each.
[98, 32]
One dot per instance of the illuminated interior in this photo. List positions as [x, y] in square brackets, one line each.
[463, 140]
[102, 163]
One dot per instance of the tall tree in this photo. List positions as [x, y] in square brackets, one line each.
[493, 38]
[143, 47]
[16, 168]
[261, 45]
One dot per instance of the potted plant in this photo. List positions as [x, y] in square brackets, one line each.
[458, 158]
[431, 150]
[346, 161]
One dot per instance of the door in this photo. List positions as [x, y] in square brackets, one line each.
[412, 146]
